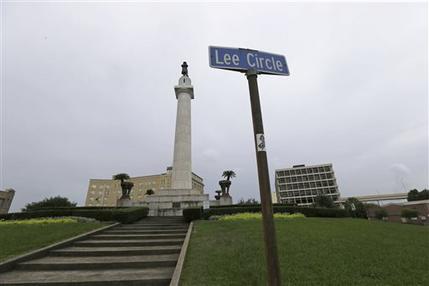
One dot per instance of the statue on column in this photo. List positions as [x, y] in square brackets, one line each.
[185, 69]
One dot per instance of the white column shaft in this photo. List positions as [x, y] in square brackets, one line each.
[182, 162]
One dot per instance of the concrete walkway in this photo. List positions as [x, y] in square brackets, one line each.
[143, 253]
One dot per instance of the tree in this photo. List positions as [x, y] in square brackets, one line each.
[323, 201]
[381, 213]
[228, 174]
[355, 208]
[125, 186]
[409, 213]
[415, 195]
[52, 202]
[121, 176]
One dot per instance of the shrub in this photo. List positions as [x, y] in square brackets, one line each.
[408, 213]
[49, 203]
[323, 201]
[191, 214]
[123, 215]
[39, 221]
[308, 212]
[247, 216]
[380, 213]
[359, 209]
[415, 195]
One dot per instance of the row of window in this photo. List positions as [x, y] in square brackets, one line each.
[307, 185]
[305, 200]
[309, 170]
[306, 178]
[315, 192]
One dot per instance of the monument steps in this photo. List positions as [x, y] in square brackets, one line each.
[150, 226]
[118, 277]
[138, 236]
[100, 262]
[116, 251]
[129, 242]
[135, 254]
[146, 231]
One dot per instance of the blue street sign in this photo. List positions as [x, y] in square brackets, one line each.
[245, 59]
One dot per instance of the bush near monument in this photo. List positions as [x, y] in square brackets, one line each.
[308, 212]
[52, 202]
[191, 214]
[123, 215]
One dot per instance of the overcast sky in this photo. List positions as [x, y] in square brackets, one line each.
[88, 91]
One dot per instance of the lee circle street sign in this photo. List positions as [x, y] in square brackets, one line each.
[238, 59]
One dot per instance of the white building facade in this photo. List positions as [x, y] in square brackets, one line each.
[301, 184]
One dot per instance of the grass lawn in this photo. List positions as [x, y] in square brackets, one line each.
[312, 251]
[16, 239]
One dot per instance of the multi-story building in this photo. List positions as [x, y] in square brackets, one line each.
[301, 184]
[6, 198]
[106, 192]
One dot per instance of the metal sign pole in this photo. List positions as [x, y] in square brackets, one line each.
[264, 183]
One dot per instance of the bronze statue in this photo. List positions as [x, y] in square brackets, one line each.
[185, 69]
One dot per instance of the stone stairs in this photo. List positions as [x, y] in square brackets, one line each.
[143, 253]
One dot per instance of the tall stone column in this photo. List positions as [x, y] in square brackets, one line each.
[182, 162]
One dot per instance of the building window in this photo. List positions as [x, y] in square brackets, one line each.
[176, 205]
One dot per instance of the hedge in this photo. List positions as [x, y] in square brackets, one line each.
[308, 212]
[123, 215]
[191, 214]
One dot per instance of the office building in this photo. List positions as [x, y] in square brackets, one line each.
[301, 184]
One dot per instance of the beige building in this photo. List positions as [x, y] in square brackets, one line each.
[301, 184]
[6, 198]
[106, 192]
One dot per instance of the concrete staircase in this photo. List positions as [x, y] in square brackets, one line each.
[143, 253]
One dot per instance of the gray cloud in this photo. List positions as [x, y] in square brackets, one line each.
[88, 92]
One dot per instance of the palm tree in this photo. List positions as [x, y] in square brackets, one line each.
[228, 174]
[125, 186]
[121, 176]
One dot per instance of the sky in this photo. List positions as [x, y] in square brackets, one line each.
[87, 91]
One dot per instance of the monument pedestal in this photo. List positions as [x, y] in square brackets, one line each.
[126, 202]
[172, 202]
[225, 200]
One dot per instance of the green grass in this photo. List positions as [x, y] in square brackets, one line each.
[19, 237]
[312, 251]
